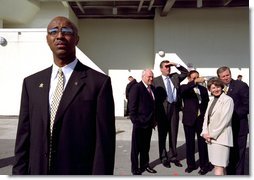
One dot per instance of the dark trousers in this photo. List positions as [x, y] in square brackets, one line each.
[140, 146]
[237, 156]
[190, 132]
[168, 125]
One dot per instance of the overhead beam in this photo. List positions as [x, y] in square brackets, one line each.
[80, 7]
[140, 5]
[150, 5]
[226, 2]
[199, 3]
[167, 7]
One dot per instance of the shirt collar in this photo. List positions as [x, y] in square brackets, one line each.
[145, 84]
[165, 77]
[66, 69]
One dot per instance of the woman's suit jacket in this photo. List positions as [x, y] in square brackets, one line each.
[219, 128]
[83, 132]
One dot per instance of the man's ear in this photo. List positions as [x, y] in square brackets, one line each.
[77, 40]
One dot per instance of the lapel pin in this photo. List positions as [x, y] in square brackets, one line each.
[76, 83]
[41, 85]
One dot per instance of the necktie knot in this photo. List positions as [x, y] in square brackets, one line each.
[60, 71]
[225, 89]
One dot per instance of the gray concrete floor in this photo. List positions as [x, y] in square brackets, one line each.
[8, 127]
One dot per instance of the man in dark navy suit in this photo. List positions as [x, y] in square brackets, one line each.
[80, 139]
[142, 106]
[132, 81]
[239, 91]
[195, 100]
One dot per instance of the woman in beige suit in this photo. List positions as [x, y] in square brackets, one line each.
[217, 129]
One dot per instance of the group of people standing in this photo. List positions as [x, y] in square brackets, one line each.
[220, 122]
[67, 123]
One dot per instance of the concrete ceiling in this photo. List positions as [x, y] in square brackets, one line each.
[142, 8]
[22, 11]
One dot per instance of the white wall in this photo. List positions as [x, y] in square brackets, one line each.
[21, 57]
[26, 53]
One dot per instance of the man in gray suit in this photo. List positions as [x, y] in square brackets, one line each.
[168, 105]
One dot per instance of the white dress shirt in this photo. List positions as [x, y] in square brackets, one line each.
[67, 71]
[172, 86]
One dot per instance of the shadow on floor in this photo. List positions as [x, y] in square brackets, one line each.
[181, 156]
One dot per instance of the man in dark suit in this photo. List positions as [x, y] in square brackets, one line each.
[82, 137]
[141, 106]
[239, 91]
[195, 99]
[132, 81]
[168, 104]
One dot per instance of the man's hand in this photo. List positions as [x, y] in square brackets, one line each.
[170, 64]
[199, 80]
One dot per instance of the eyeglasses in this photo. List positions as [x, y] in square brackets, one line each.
[63, 30]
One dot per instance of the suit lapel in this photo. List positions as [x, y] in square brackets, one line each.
[161, 82]
[76, 81]
[231, 87]
[43, 94]
[172, 78]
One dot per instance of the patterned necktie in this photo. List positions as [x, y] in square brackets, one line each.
[54, 106]
[170, 97]
[56, 97]
[225, 89]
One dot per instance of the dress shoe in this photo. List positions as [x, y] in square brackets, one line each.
[166, 164]
[190, 169]
[150, 170]
[177, 163]
[205, 170]
[137, 172]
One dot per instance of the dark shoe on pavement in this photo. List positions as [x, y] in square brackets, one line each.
[177, 163]
[150, 170]
[206, 169]
[137, 172]
[190, 169]
[203, 171]
[166, 164]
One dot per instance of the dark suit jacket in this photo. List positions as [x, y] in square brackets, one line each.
[128, 88]
[161, 93]
[84, 128]
[191, 104]
[239, 91]
[141, 106]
